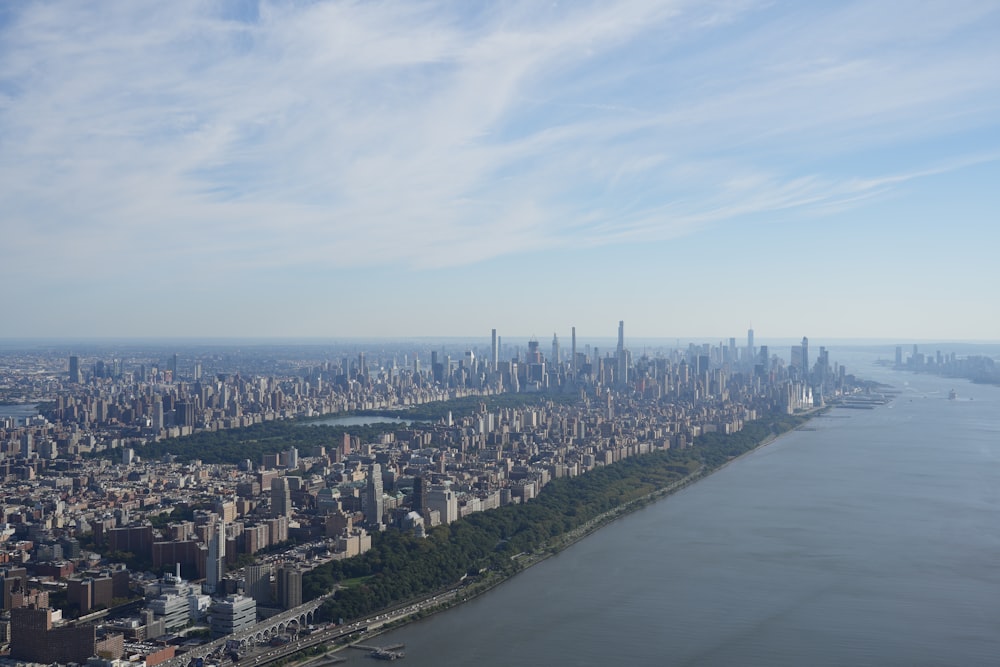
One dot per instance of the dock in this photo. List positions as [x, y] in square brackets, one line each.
[392, 652]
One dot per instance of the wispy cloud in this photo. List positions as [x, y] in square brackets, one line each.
[176, 136]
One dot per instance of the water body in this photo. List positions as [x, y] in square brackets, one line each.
[358, 421]
[20, 410]
[873, 538]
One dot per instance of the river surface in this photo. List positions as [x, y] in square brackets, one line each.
[361, 420]
[870, 537]
[19, 410]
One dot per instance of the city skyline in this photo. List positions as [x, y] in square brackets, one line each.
[345, 171]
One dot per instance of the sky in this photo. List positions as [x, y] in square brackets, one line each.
[377, 169]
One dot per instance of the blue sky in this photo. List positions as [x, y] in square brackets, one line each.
[339, 169]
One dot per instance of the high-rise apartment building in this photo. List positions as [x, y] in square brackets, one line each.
[215, 565]
[374, 505]
[257, 583]
[281, 497]
[289, 586]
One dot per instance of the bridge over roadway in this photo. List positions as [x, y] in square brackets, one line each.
[299, 617]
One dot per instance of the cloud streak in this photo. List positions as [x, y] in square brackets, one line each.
[176, 137]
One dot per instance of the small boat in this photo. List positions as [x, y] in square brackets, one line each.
[952, 395]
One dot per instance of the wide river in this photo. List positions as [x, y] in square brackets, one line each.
[871, 537]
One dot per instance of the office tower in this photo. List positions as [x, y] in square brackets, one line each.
[494, 353]
[158, 419]
[702, 362]
[419, 489]
[437, 370]
[215, 566]
[750, 350]
[374, 504]
[74, 369]
[184, 411]
[805, 358]
[555, 349]
[289, 586]
[822, 364]
[899, 355]
[197, 371]
[27, 444]
[173, 365]
[621, 357]
[362, 368]
[573, 350]
[281, 497]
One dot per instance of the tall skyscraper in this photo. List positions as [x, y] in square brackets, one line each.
[215, 566]
[494, 353]
[374, 503]
[750, 350]
[622, 357]
[158, 414]
[572, 361]
[805, 358]
[281, 497]
[555, 349]
[419, 489]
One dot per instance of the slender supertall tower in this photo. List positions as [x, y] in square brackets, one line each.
[622, 358]
[494, 353]
[555, 349]
[750, 350]
[805, 358]
[573, 350]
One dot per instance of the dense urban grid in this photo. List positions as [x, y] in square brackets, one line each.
[156, 499]
[977, 367]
